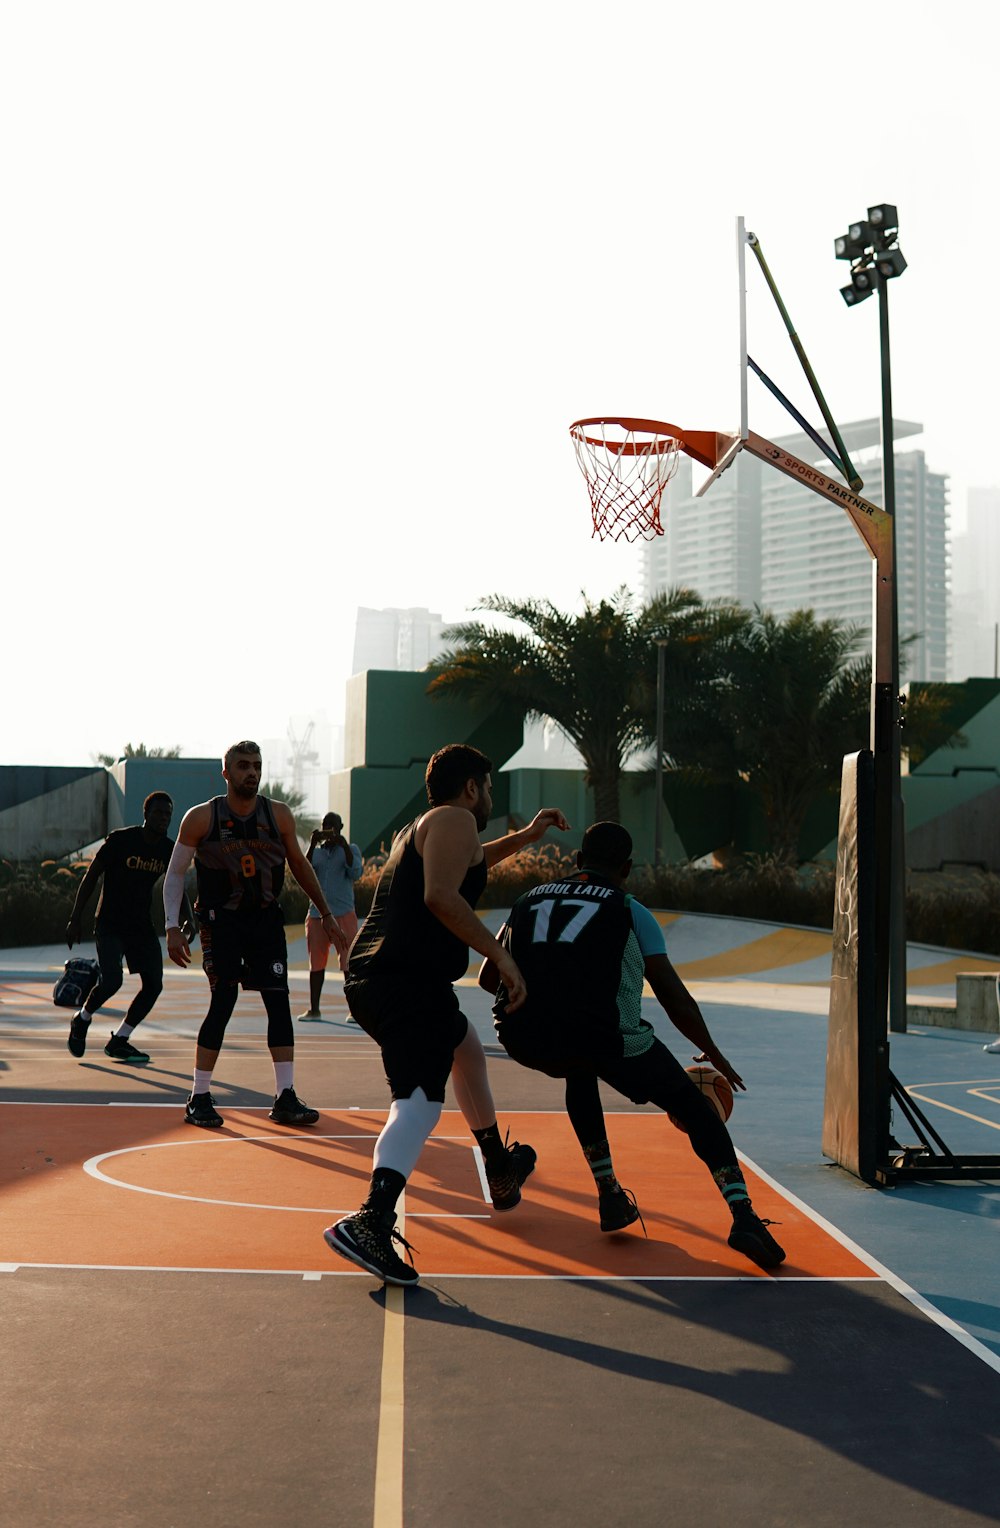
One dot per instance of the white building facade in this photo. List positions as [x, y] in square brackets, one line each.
[759, 537]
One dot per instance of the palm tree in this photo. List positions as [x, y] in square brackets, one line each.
[140, 751]
[794, 700]
[591, 672]
[295, 800]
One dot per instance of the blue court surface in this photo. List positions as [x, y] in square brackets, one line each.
[181, 1346]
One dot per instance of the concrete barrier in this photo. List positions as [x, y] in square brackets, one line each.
[976, 1005]
[932, 1010]
[977, 1001]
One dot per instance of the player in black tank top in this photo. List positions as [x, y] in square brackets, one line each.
[240, 843]
[401, 934]
[413, 946]
[240, 862]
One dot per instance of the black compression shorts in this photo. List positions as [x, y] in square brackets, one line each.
[248, 948]
[656, 1076]
[417, 1029]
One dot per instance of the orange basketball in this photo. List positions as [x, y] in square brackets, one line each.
[716, 1089]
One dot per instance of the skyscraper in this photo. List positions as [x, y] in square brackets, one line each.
[711, 544]
[396, 639]
[760, 537]
[975, 588]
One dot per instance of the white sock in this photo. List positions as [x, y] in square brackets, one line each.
[123, 1031]
[202, 1082]
[283, 1073]
[410, 1122]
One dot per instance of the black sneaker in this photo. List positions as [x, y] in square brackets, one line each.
[77, 1042]
[618, 1208]
[289, 1110]
[367, 1239]
[751, 1237]
[200, 1110]
[505, 1177]
[121, 1050]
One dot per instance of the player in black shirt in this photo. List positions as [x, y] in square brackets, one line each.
[131, 861]
[414, 944]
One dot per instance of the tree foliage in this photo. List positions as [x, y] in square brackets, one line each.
[295, 800]
[590, 672]
[140, 751]
[774, 702]
[790, 697]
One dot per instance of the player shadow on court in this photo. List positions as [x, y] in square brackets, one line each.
[974, 1316]
[148, 1073]
[284, 1148]
[860, 1374]
[528, 1242]
[960, 1198]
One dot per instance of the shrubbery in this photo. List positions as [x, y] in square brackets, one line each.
[36, 900]
[959, 910]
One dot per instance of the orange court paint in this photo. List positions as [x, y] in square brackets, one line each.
[131, 1186]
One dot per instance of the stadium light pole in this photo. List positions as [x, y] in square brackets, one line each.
[661, 701]
[871, 246]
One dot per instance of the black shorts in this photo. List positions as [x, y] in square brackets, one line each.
[138, 948]
[655, 1076]
[417, 1029]
[248, 948]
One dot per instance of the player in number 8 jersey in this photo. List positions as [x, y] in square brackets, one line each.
[584, 948]
[240, 843]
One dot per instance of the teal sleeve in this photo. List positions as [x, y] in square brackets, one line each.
[647, 930]
[355, 868]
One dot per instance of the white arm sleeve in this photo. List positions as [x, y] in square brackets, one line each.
[173, 882]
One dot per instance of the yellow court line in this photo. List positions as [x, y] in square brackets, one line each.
[389, 1454]
[921, 1098]
[947, 970]
[784, 947]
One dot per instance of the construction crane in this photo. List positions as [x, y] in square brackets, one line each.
[301, 757]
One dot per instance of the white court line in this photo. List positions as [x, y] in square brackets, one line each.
[124, 1103]
[946, 1323]
[313, 1274]
[92, 1167]
[919, 1301]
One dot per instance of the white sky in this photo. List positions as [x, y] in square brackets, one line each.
[299, 301]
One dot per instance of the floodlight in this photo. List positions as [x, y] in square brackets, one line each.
[852, 296]
[891, 263]
[883, 217]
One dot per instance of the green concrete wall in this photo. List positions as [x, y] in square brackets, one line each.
[952, 800]
[186, 781]
[391, 729]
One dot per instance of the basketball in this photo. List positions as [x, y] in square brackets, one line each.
[715, 1088]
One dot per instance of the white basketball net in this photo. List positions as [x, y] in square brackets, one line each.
[626, 470]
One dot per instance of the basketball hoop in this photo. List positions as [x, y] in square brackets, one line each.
[627, 464]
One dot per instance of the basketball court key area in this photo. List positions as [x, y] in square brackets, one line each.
[181, 1345]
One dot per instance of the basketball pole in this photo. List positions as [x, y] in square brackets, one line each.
[661, 701]
[897, 871]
